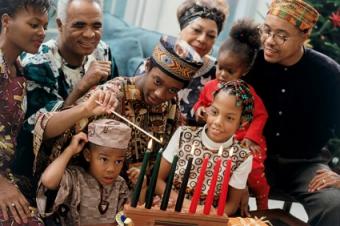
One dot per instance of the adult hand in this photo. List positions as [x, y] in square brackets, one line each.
[101, 102]
[78, 142]
[253, 147]
[97, 72]
[200, 114]
[244, 203]
[324, 178]
[13, 202]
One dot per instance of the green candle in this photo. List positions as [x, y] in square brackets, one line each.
[153, 180]
[167, 191]
[140, 179]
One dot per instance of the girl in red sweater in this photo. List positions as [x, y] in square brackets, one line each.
[235, 58]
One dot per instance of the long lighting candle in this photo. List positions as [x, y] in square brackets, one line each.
[153, 180]
[197, 193]
[140, 179]
[225, 185]
[168, 187]
[211, 192]
[182, 190]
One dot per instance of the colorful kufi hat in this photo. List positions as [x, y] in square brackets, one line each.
[176, 58]
[296, 12]
[109, 133]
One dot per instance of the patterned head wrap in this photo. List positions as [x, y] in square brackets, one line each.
[244, 98]
[296, 12]
[204, 12]
[176, 58]
[109, 133]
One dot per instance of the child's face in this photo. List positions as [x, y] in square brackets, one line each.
[223, 117]
[105, 163]
[229, 67]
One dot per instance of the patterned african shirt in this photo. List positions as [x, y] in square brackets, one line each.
[12, 112]
[188, 96]
[181, 144]
[50, 79]
[79, 196]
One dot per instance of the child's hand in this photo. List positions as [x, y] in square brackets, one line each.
[253, 147]
[200, 114]
[133, 174]
[78, 142]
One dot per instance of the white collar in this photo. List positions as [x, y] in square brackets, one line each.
[212, 145]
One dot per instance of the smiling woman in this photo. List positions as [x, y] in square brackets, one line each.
[23, 25]
[200, 22]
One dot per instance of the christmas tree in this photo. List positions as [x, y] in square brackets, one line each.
[325, 36]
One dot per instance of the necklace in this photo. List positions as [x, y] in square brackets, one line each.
[103, 204]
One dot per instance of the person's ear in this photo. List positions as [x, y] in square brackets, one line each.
[86, 153]
[5, 20]
[59, 24]
[148, 65]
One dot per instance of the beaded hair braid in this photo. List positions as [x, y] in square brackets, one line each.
[244, 98]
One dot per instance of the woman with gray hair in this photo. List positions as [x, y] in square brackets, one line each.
[201, 21]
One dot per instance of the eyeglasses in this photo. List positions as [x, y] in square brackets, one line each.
[278, 37]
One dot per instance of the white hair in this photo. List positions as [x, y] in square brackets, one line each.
[63, 5]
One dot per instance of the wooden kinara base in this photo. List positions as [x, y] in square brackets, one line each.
[154, 217]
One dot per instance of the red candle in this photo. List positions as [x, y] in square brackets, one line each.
[197, 192]
[225, 185]
[210, 197]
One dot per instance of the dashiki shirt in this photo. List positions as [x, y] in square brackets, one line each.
[181, 143]
[79, 195]
[188, 96]
[160, 121]
[50, 79]
[12, 112]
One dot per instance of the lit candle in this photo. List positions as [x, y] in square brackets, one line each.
[225, 185]
[181, 194]
[140, 179]
[210, 196]
[153, 180]
[198, 188]
[168, 187]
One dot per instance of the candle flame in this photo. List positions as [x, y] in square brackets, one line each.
[150, 144]
[231, 152]
[192, 150]
[220, 150]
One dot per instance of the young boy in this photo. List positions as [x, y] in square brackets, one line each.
[95, 193]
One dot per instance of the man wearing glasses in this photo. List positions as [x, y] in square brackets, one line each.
[300, 88]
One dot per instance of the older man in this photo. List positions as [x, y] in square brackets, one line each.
[64, 69]
[300, 88]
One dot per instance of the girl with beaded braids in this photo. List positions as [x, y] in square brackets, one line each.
[235, 58]
[22, 29]
[200, 21]
[231, 107]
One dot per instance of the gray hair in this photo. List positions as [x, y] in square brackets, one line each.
[63, 5]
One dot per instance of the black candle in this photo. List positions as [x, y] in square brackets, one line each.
[167, 191]
[181, 194]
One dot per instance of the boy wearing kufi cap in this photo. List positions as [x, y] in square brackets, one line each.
[300, 88]
[91, 195]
